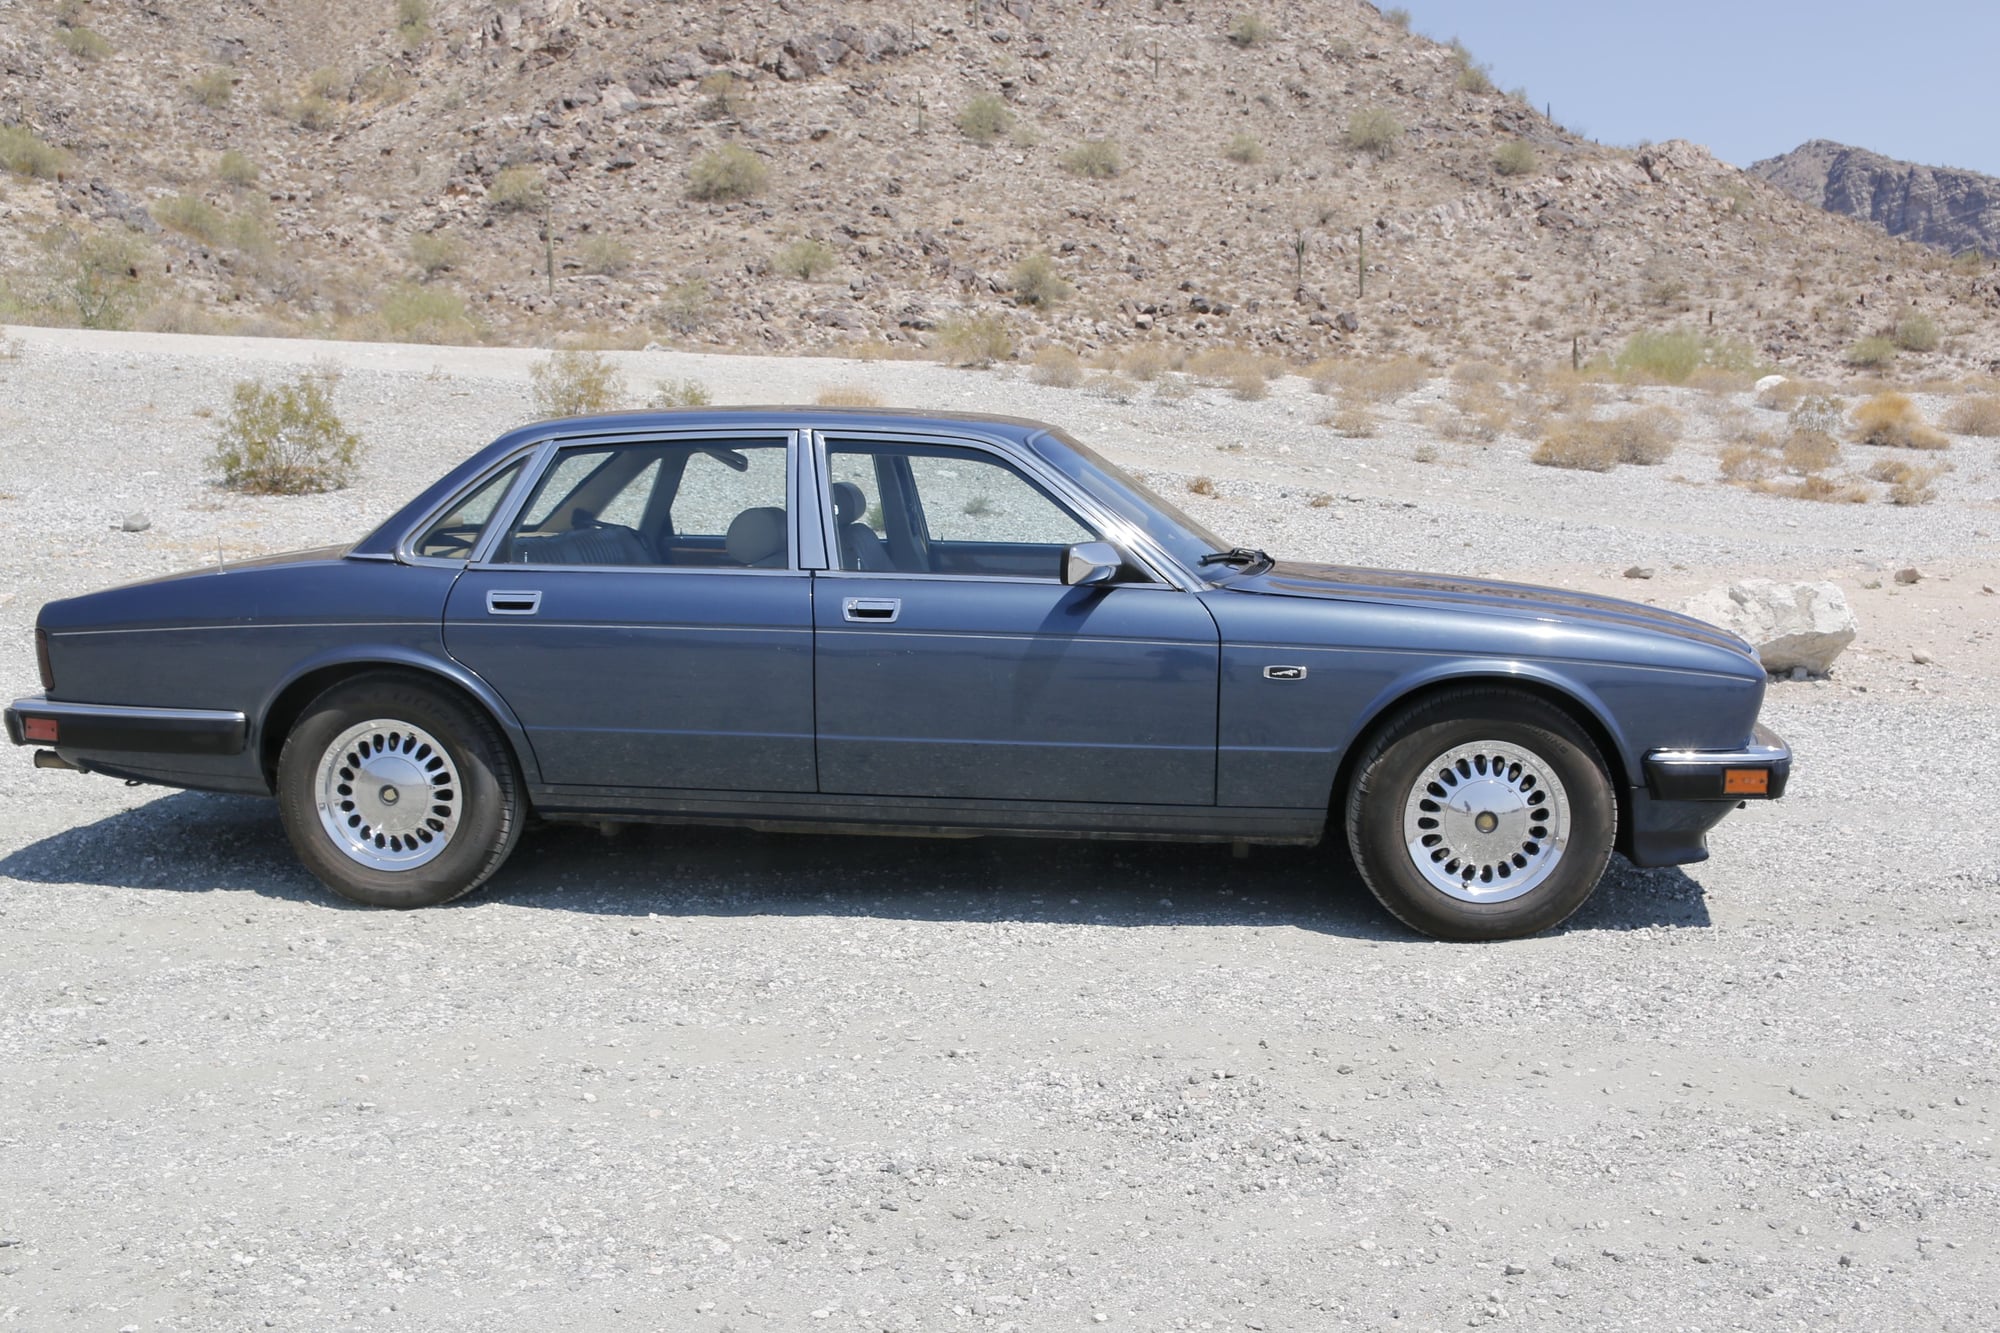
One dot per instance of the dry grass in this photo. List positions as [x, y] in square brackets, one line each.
[1243, 372]
[1974, 416]
[1808, 451]
[846, 395]
[1354, 419]
[1057, 367]
[1484, 411]
[1891, 420]
[1749, 461]
[1202, 486]
[1820, 489]
[1149, 361]
[1578, 445]
[1375, 381]
[1909, 483]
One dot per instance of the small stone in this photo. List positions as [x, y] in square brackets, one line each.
[1986, 588]
[1922, 658]
[1800, 673]
[1099, 1317]
[133, 522]
[590, 1096]
[1909, 575]
[1639, 572]
[1871, 584]
[1514, 1270]
[1847, 1261]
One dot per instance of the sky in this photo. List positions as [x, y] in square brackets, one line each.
[1912, 79]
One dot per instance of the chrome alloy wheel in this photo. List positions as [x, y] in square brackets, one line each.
[388, 795]
[1486, 822]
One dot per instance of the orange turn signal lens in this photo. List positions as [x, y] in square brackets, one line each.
[1746, 781]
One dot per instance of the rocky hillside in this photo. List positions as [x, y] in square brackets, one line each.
[1308, 178]
[1954, 210]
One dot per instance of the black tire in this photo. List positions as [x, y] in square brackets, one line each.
[461, 822]
[1471, 873]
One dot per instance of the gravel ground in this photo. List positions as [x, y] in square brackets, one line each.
[716, 1080]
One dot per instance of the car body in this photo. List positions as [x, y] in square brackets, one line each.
[874, 620]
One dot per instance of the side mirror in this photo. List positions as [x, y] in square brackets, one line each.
[1091, 562]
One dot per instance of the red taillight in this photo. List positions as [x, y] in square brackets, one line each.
[42, 659]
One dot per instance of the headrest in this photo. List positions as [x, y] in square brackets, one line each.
[756, 536]
[849, 503]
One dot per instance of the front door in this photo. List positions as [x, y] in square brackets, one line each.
[952, 661]
[645, 619]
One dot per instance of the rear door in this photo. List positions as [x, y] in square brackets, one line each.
[952, 661]
[645, 618]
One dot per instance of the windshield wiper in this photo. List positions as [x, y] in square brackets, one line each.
[1243, 557]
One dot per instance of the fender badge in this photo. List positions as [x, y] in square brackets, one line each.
[1284, 673]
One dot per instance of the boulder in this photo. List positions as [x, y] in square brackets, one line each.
[1768, 383]
[1789, 624]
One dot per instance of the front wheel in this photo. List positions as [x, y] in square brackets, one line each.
[1481, 814]
[396, 794]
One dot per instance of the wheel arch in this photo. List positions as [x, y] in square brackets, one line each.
[315, 676]
[1583, 708]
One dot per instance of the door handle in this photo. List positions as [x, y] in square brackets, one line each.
[500, 603]
[873, 610]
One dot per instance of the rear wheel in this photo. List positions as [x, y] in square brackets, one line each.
[397, 794]
[1481, 814]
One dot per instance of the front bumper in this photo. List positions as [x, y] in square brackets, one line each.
[1754, 772]
[117, 728]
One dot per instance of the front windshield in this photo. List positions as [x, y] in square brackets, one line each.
[1184, 539]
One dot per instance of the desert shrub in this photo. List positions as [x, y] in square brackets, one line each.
[575, 383]
[1822, 489]
[725, 97]
[1036, 282]
[1473, 77]
[1892, 420]
[1874, 353]
[1222, 365]
[233, 168]
[24, 153]
[846, 395]
[974, 340]
[806, 258]
[384, 85]
[684, 308]
[606, 256]
[245, 233]
[1244, 148]
[1057, 367]
[1719, 379]
[1147, 362]
[1201, 486]
[1582, 445]
[1373, 381]
[1909, 483]
[517, 190]
[191, 216]
[1397, 18]
[413, 23]
[1974, 416]
[312, 112]
[285, 439]
[985, 119]
[1355, 419]
[1917, 332]
[1808, 451]
[83, 43]
[1816, 414]
[1645, 437]
[1249, 30]
[1672, 356]
[436, 252]
[1094, 159]
[1484, 413]
[681, 393]
[420, 314]
[729, 172]
[212, 89]
[1748, 461]
[1374, 130]
[1514, 158]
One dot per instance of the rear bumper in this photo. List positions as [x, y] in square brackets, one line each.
[1754, 772]
[96, 728]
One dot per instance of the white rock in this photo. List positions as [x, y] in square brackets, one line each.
[1789, 624]
[1768, 383]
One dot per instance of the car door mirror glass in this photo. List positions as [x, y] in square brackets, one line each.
[1090, 563]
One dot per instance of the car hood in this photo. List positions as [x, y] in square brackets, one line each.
[1482, 596]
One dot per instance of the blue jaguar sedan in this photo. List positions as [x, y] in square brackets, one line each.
[824, 619]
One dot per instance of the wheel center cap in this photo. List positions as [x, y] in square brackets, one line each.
[389, 795]
[1486, 821]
